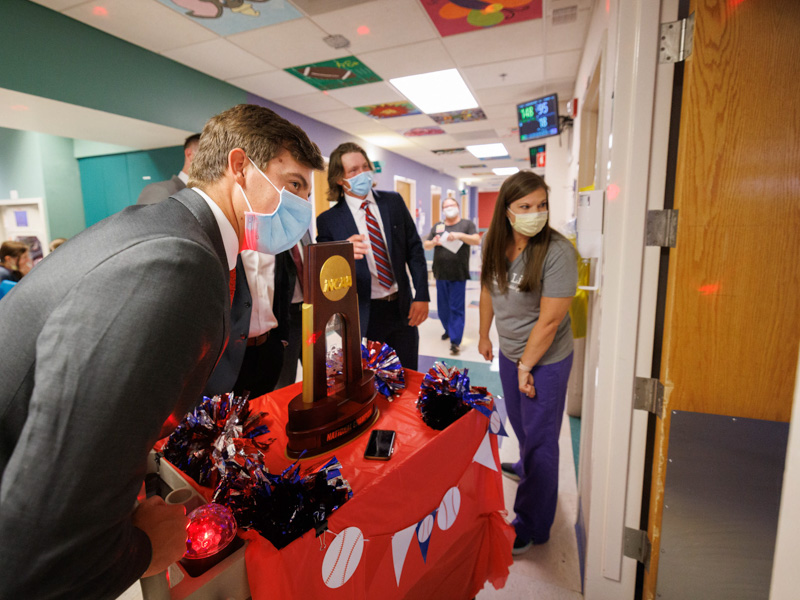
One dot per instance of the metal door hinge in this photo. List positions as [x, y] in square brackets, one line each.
[676, 40]
[648, 394]
[662, 228]
[637, 546]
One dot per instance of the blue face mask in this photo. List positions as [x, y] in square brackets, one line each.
[361, 184]
[279, 231]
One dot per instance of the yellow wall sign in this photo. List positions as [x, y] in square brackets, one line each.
[335, 278]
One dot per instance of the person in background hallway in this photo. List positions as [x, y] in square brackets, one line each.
[528, 278]
[385, 241]
[451, 269]
[292, 354]
[108, 343]
[15, 261]
[159, 190]
[56, 243]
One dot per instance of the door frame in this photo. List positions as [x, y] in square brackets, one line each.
[635, 103]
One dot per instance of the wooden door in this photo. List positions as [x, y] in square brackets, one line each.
[321, 203]
[732, 314]
[436, 204]
[404, 189]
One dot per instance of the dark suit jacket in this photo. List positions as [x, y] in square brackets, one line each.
[103, 342]
[403, 245]
[227, 370]
[159, 190]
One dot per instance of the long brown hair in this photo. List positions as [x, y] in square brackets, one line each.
[336, 169]
[494, 268]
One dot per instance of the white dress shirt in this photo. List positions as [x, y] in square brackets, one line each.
[258, 268]
[183, 177]
[229, 239]
[360, 217]
[260, 271]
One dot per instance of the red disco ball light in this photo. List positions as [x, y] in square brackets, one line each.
[211, 528]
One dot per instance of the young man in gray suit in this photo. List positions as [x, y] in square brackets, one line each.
[158, 190]
[110, 341]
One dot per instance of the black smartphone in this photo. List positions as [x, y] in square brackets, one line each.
[380, 445]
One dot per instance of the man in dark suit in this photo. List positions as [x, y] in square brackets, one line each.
[158, 190]
[107, 344]
[385, 242]
[292, 353]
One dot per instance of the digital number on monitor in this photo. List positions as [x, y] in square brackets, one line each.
[538, 118]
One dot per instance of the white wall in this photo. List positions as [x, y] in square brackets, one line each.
[785, 574]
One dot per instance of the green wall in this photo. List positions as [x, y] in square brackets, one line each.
[37, 165]
[63, 59]
[112, 182]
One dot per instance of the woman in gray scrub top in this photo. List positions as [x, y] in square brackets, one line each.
[528, 278]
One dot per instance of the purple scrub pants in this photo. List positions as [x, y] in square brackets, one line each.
[537, 423]
[450, 296]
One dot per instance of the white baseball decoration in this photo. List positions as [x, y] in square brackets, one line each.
[494, 422]
[448, 509]
[425, 529]
[342, 558]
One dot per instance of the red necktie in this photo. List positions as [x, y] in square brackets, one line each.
[382, 264]
[232, 283]
[298, 264]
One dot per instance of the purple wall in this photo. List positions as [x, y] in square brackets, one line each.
[328, 138]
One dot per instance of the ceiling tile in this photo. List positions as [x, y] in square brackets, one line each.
[311, 103]
[219, 58]
[405, 123]
[341, 116]
[511, 94]
[496, 44]
[288, 44]
[58, 5]
[508, 72]
[273, 85]
[563, 65]
[412, 59]
[389, 23]
[318, 7]
[454, 128]
[567, 36]
[150, 25]
[369, 93]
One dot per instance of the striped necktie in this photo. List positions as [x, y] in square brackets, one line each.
[382, 264]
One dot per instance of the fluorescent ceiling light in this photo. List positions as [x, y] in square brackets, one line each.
[505, 170]
[440, 91]
[488, 150]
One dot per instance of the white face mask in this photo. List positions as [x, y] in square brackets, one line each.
[451, 212]
[528, 224]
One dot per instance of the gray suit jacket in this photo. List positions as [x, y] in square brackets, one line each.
[106, 341]
[159, 190]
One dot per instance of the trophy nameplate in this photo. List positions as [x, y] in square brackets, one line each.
[321, 418]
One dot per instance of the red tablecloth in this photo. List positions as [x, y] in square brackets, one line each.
[389, 497]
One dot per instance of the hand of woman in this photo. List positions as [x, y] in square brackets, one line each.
[526, 383]
[485, 348]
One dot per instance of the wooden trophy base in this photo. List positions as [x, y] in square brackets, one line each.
[319, 426]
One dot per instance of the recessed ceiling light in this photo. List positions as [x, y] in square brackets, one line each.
[505, 170]
[436, 92]
[488, 150]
